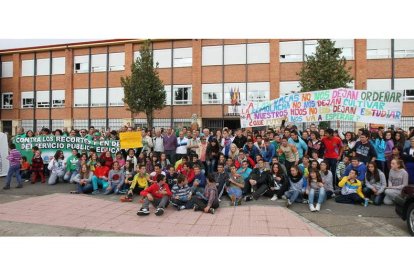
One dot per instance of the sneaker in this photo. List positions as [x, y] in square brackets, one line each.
[96, 192]
[305, 201]
[26, 180]
[288, 203]
[6, 188]
[182, 207]
[143, 212]
[107, 192]
[159, 212]
[284, 197]
[116, 191]
[274, 198]
[196, 208]
[312, 208]
[212, 211]
[19, 186]
[248, 198]
[239, 201]
[318, 207]
[366, 201]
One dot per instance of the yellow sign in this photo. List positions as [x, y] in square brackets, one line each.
[130, 140]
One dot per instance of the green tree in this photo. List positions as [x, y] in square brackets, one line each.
[144, 91]
[326, 69]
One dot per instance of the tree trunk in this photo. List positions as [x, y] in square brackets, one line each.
[150, 119]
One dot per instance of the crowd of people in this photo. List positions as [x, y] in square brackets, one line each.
[194, 169]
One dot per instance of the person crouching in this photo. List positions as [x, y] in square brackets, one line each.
[158, 194]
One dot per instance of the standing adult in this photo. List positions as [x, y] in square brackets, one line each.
[182, 143]
[170, 145]
[333, 150]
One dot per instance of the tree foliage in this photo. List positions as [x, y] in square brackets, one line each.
[144, 91]
[326, 69]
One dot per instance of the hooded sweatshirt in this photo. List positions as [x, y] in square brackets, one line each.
[361, 168]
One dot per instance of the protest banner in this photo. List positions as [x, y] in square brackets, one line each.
[4, 151]
[129, 140]
[50, 144]
[344, 104]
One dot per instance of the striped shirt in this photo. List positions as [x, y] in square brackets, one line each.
[181, 192]
[14, 157]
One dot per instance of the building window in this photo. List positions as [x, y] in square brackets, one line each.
[57, 124]
[58, 98]
[27, 125]
[98, 63]
[234, 93]
[79, 124]
[98, 97]
[291, 51]
[115, 124]
[258, 53]
[7, 69]
[235, 54]
[163, 57]
[99, 124]
[42, 124]
[116, 95]
[212, 55]
[289, 87]
[310, 47]
[258, 91]
[116, 61]
[27, 68]
[81, 64]
[137, 54]
[379, 84]
[347, 47]
[183, 57]
[42, 99]
[27, 99]
[182, 94]
[167, 89]
[58, 66]
[212, 93]
[407, 85]
[43, 67]
[7, 100]
[80, 97]
[404, 48]
[378, 48]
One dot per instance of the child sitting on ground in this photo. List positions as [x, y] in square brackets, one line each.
[25, 169]
[138, 184]
[181, 194]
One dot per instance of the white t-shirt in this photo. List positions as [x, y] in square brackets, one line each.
[182, 145]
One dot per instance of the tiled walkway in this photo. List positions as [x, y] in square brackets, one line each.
[87, 212]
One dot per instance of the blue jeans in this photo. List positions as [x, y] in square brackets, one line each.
[16, 171]
[98, 181]
[211, 164]
[294, 196]
[69, 176]
[237, 192]
[332, 162]
[87, 188]
[321, 195]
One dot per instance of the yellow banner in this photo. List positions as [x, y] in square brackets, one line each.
[130, 140]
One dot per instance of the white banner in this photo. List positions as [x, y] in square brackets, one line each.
[4, 151]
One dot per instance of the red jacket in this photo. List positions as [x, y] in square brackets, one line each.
[249, 160]
[101, 171]
[155, 189]
[108, 160]
[190, 175]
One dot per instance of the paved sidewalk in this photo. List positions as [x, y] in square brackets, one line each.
[88, 213]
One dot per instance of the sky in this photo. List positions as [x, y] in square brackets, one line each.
[22, 43]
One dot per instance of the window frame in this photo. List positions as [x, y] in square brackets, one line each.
[118, 67]
[86, 62]
[5, 67]
[204, 92]
[43, 104]
[55, 101]
[9, 106]
[189, 99]
[23, 98]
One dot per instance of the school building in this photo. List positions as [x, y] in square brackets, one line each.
[78, 84]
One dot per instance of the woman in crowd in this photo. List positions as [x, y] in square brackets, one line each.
[120, 159]
[115, 179]
[379, 145]
[389, 145]
[397, 180]
[83, 180]
[327, 179]
[315, 188]
[57, 167]
[234, 151]
[315, 144]
[212, 155]
[294, 194]
[131, 157]
[164, 161]
[375, 183]
[349, 143]
[280, 182]
[399, 140]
